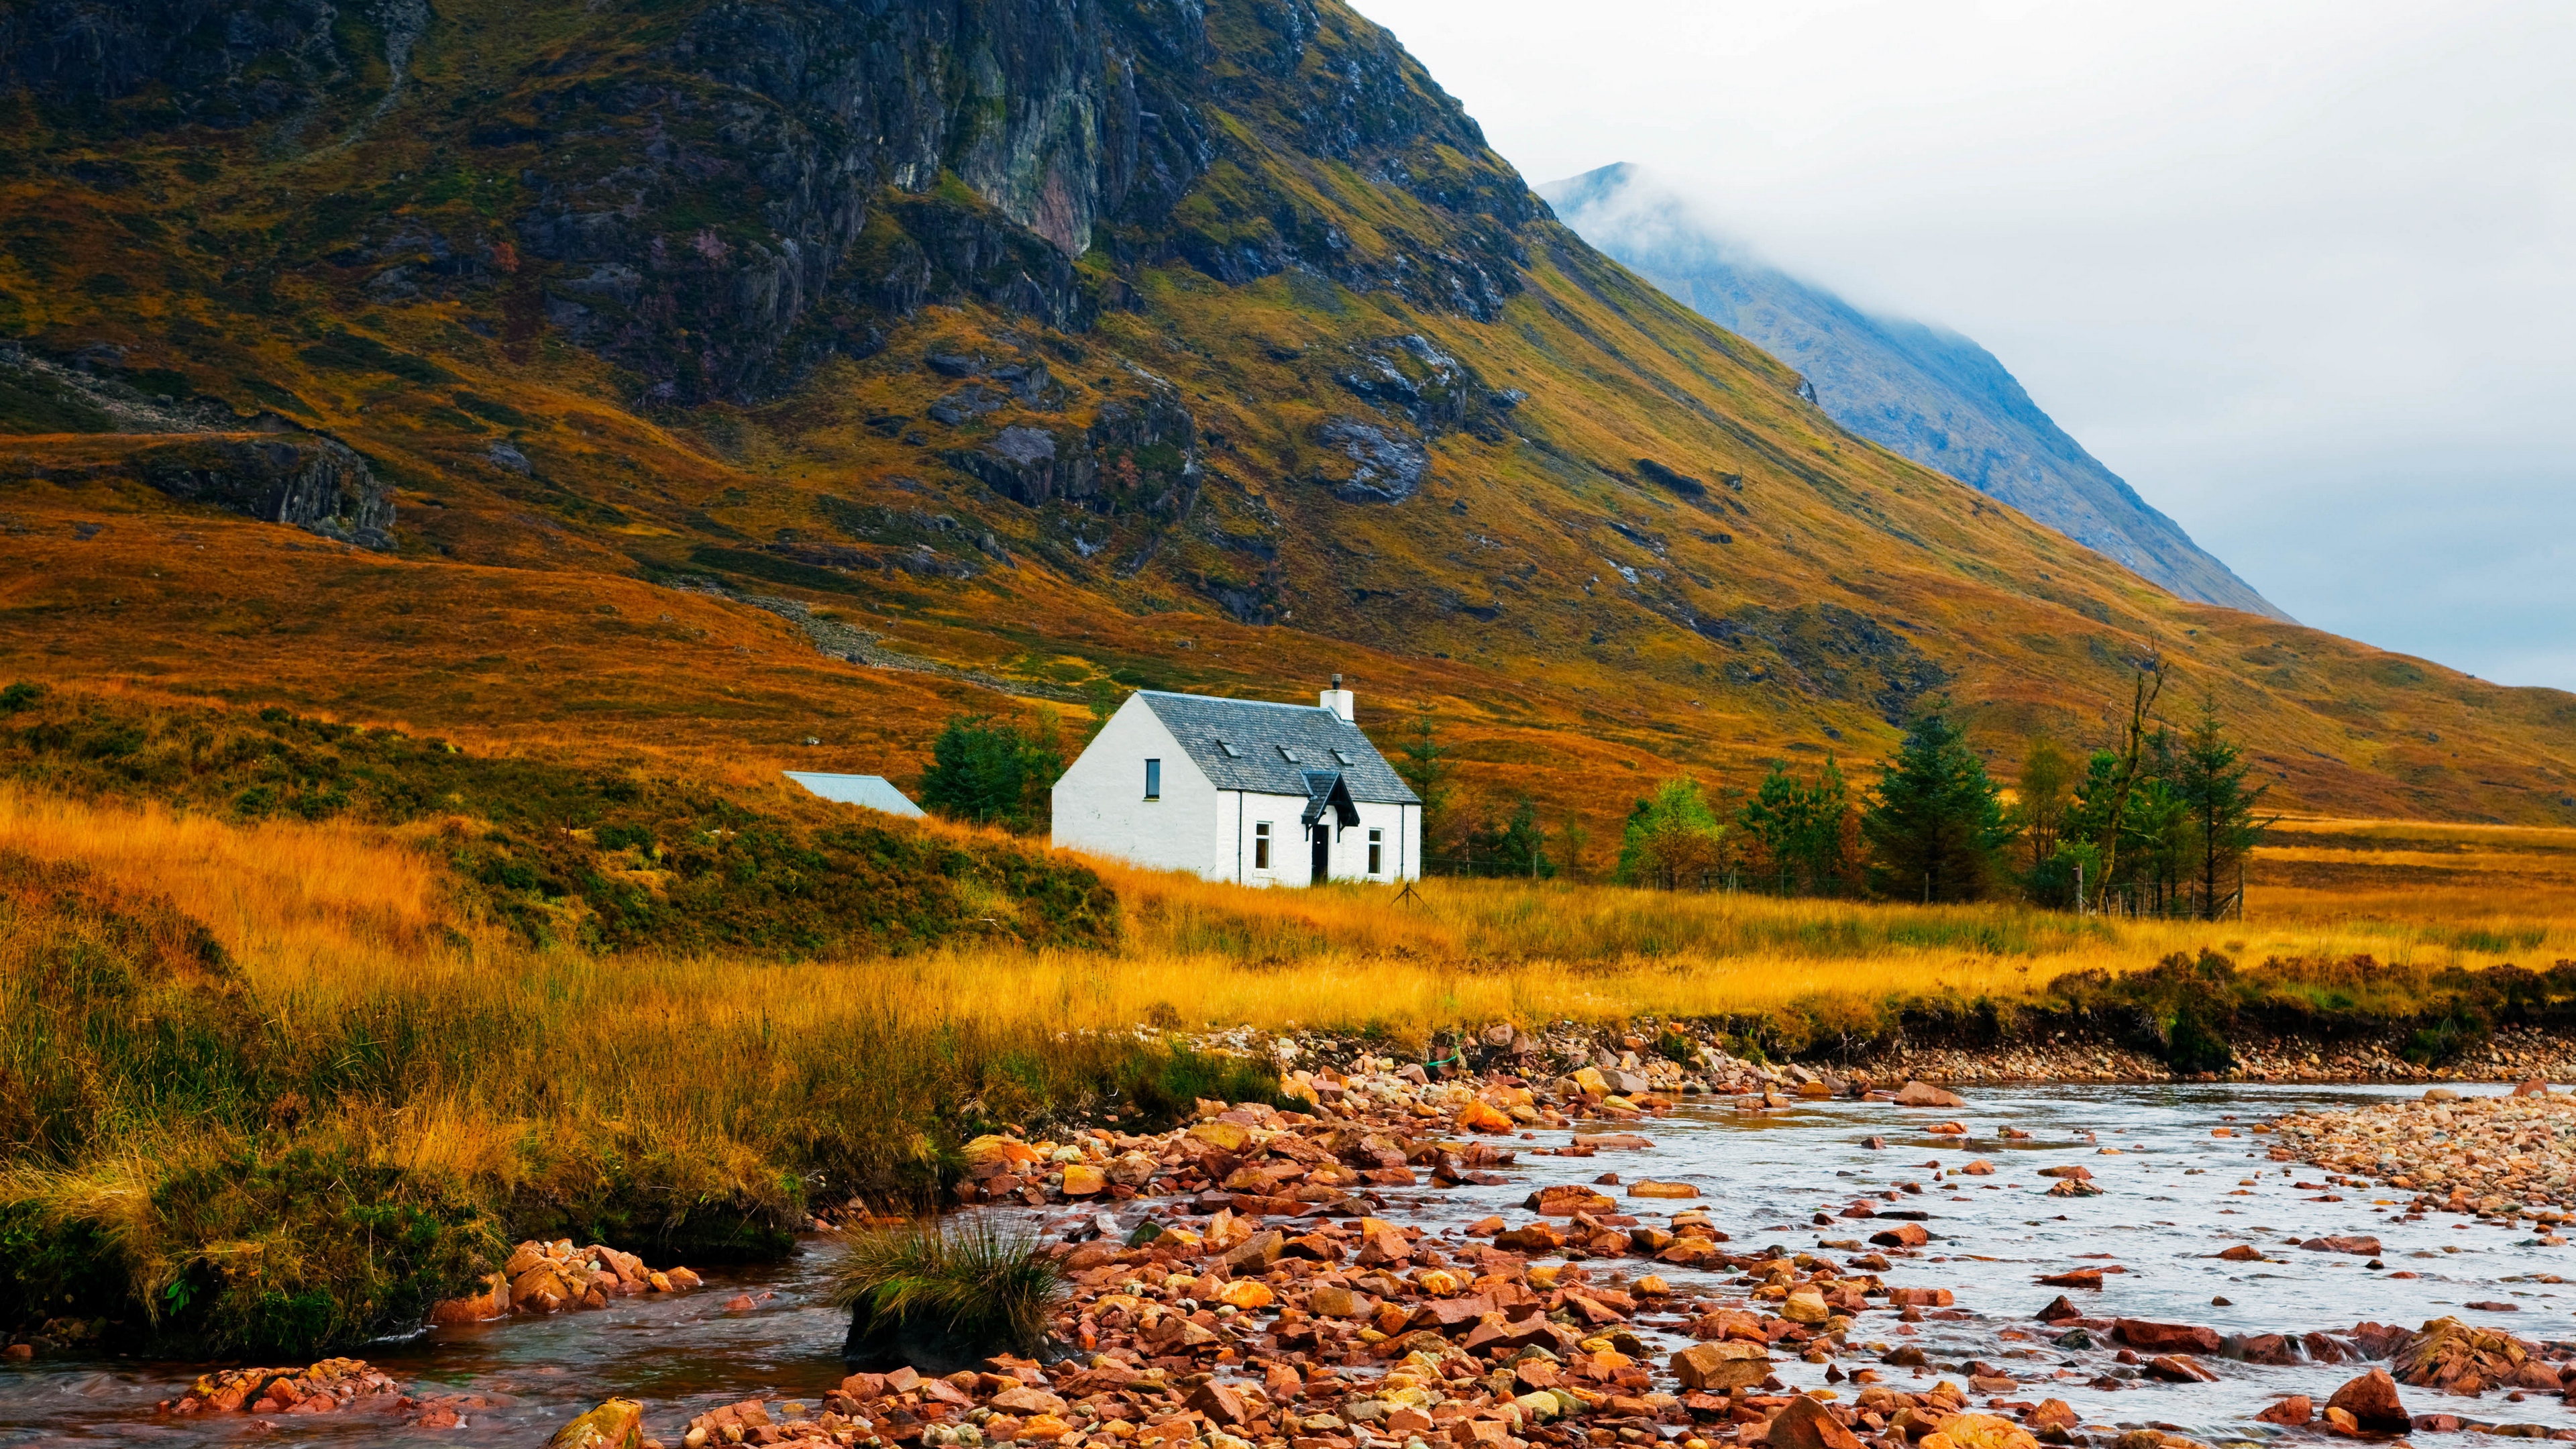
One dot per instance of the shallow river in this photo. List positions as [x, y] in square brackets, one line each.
[2174, 1197]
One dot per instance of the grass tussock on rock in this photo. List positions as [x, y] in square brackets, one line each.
[942, 1298]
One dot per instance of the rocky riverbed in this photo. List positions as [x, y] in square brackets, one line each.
[1632, 1241]
[1287, 1306]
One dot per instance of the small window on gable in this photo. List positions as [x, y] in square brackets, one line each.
[1341, 759]
[1287, 754]
[1153, 779]
[1231, 752]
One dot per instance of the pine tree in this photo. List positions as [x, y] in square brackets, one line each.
[1937, 823]
[1799, 826]
[1516, 847]
[2157, 835]
[1423, 763]
[2211, 783]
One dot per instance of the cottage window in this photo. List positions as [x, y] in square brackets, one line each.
[1377, 852]
[1261, 846]
[1153, 779]
[1287, 754]
[1231, 752]
[1341, 759]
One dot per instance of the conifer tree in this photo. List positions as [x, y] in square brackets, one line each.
[1799, 825]
[994, 772]
[1517, 846]
[2211, 782]
[1422, 761]
[1937, 822]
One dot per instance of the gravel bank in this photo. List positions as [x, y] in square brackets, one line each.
[2495, 1155]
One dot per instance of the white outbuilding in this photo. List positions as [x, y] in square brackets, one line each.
[1242, 790]
[876, 792]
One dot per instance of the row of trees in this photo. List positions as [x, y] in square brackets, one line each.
[2159, 825]
[2168, 820]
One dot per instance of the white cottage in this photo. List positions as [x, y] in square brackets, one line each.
[1242, 790]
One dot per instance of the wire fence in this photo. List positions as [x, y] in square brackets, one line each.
[2171, 901]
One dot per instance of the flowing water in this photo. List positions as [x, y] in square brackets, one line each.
[2173, 1197]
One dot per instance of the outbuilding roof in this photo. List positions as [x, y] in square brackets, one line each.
[873, 791]
[1268, 749]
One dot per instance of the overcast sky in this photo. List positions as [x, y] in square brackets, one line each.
[2303, 273]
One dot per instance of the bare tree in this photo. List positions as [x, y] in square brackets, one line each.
[2142, 704]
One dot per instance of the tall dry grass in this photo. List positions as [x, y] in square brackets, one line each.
[472, 1083]
[339, 921]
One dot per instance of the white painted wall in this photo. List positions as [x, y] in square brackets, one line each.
[1291, 856]
[1100, 807]
[1100, 803]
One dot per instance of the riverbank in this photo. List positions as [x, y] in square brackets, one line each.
[559, 1105]
[2515, 1054]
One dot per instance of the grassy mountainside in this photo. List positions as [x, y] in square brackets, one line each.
[991, 345]
[1924, 391]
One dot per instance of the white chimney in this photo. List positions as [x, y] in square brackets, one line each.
[1340, 702]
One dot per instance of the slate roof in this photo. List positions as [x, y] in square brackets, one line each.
[1327, 790]
[1257, 730]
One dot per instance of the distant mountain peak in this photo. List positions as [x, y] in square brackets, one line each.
[1918, 389]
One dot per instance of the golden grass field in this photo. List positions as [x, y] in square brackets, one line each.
[385, 1031]
[2515, 879]
[322, 916]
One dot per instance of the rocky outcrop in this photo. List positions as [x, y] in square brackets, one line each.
[1139, 453]
[1383, 465]
[227, 63]
[1409, 376]
[961, 153]
[2462, 1358]
[542, 1278]
[302, 480]
[770, 182]
[332, 1384]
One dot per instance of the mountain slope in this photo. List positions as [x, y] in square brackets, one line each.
[714, 377]
[1926, 392]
